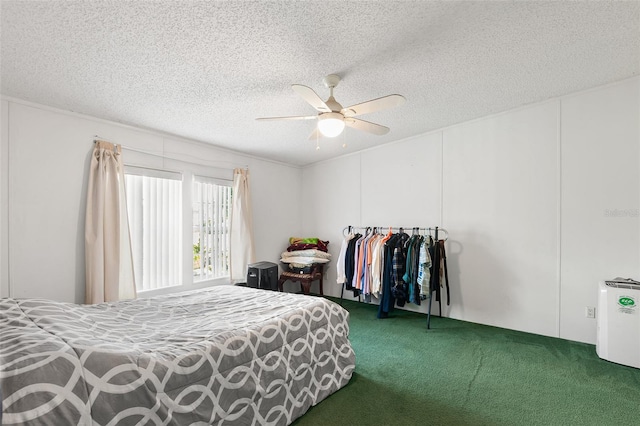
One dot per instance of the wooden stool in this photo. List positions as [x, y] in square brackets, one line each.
[304, 279]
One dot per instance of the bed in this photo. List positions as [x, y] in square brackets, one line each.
[226, 355]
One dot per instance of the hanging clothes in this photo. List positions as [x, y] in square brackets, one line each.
[362, 259]
[368, 276]
[377, 264]
[357, 259]
[439, 274]
[399, 267]
[410, 276]
[341, 276]
[443, 257]
[387, 299]
[395, 268]
[349, 265]
[424, 269]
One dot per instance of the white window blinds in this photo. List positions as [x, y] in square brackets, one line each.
[211, 220]
[154, 202]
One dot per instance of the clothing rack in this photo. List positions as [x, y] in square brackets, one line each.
[436, 230]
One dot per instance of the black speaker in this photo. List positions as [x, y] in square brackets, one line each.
[263, 275]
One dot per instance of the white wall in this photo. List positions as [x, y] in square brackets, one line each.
[501, 208]
[49, 153]
[600, 198]
[523, 195]
[397, 184]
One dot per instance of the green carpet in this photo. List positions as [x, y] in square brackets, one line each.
[459, 373]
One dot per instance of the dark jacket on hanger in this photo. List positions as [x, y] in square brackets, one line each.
[387, 300]
[349, 264]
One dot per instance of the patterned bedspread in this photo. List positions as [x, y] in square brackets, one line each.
[226, 355]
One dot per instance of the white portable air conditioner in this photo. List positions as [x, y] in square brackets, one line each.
[618, 334]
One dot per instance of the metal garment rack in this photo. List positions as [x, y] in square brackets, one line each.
[437, 229]
[348, 229]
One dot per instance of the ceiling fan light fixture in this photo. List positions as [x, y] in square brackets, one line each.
[332, 117]
[331, 124]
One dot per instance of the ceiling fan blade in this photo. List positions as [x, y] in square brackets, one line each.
[297, 117]
[311, 97]
[315, 134]
[373, 105]
[366, 126]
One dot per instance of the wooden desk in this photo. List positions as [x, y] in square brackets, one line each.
[304, 279]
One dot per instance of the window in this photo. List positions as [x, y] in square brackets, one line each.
[154, 205]
[180, 225]
[211, 225]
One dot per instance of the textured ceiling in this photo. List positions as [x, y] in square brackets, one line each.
[206, 70]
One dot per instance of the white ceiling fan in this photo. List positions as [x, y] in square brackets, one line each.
[332, 117]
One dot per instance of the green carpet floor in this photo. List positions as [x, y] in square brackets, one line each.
[459, 373]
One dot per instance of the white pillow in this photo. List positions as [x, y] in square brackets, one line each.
[303, 260]
[307, 253]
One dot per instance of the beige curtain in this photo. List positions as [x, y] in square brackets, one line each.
[241, 244]
[108, 258]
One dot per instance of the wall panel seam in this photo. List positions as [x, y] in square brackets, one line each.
[7, 188]
[559, 226]
[442, 178]
[360, 188]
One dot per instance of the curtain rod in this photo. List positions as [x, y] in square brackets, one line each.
[97, 138]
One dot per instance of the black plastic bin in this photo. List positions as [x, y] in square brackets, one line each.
[263, 275]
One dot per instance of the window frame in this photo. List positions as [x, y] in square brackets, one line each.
[188, 172]
[218, 182]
